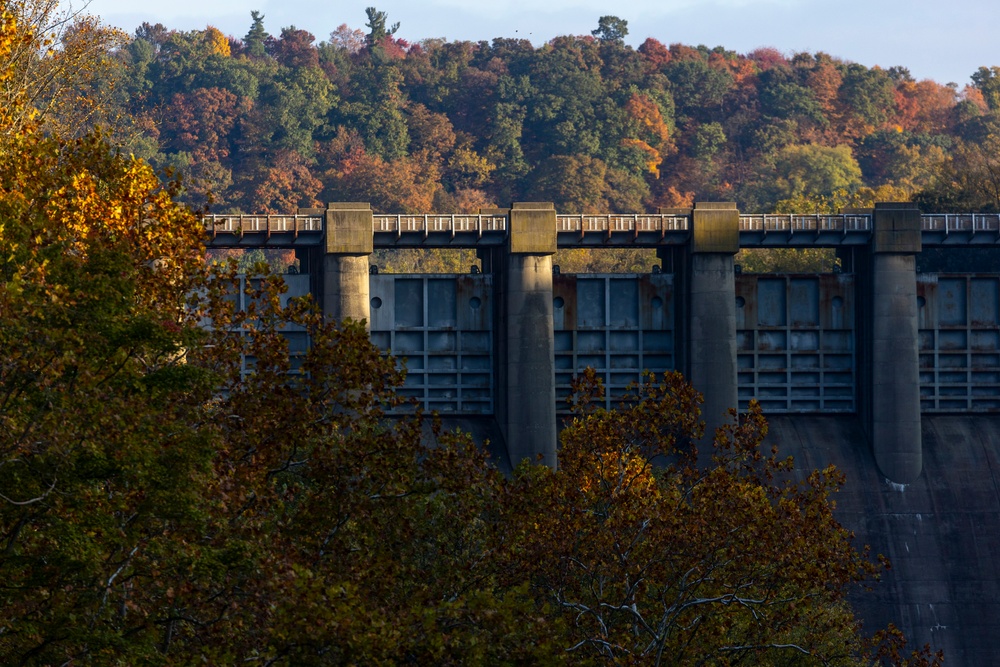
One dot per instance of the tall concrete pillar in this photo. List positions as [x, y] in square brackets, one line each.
[526, 406]
[894, 395]
[349, 242]
[711, 307]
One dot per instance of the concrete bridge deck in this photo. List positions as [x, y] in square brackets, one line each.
[648, 230]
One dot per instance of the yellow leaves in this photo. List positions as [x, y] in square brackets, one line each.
[217, 42]
[56, 68]
[468, 168]
[8, 35]
[620, 472]
[654, 158]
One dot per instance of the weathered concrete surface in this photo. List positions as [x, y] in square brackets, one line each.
[348, 244]
[349, 228]
[529, 418]
[712, 356]
[897, 228]
[533, 228]
[716, 227]
[895, 391]
[346, 287]
[941, 532]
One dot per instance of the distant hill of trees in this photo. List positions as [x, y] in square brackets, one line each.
[271, 122]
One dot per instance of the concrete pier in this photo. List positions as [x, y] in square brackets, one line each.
[345, 263]
[711, 325]
[705, 347]
[894, 417]
[526, 359]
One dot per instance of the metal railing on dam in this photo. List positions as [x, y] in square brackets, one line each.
[461, 230]
[261, 230]
[505, 339]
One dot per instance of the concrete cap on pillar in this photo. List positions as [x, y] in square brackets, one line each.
[897, 228]
[715, 228]
[532, 228]
[349, 228]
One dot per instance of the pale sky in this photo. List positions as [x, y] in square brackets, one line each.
[944, 40]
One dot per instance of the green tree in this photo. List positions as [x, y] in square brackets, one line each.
[782, 97]
[698, 89]
[866, 98]
[987, 80]
[256, 37]
[815, 170]
[708, 140]
[575, 183]
[377, 31]
[611, 29]
[970, 180]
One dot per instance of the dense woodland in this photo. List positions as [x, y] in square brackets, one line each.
[268, 122]
[160, 507]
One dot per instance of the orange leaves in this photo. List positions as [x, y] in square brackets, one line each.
[201, 122]
[653, 156]
[683, 560]
[655, 53]
[285, 182]
[924, 106]
[646, 112]
[651, 133]
[400, 185]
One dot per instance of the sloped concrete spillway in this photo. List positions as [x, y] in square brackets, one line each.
[941, 532]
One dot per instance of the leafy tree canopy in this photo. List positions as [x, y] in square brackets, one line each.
[159, 504]
[611, 29]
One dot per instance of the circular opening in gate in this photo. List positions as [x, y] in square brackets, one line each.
[376, 302]
[475, 302]
[740, 302]
[656, 302]
[921, 302]
[837, 302]
[558, 302]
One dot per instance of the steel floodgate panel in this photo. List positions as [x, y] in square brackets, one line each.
[795, 342]
[440, 327]
[959, 332]
[621, 325]
[298, 339]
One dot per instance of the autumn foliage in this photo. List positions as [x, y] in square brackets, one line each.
[271, 122]
[160, 505]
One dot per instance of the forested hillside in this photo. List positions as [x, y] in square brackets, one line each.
[159, 506]
[264, 122]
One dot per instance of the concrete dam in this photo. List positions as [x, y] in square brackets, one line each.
[889, 369]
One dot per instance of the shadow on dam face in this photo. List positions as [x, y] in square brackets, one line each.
[941, 533]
